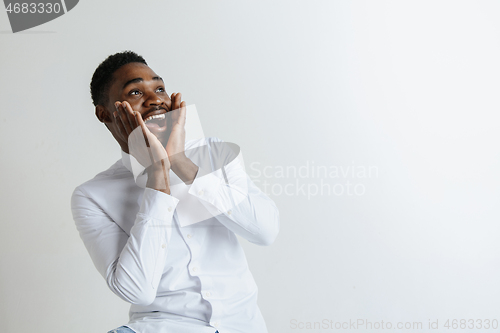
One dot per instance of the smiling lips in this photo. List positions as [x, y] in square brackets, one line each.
[157, 116]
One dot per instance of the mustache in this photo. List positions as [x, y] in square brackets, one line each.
[158, 107]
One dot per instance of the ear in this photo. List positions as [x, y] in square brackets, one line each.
[103, 114]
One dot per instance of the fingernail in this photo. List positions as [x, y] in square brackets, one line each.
[115, 114]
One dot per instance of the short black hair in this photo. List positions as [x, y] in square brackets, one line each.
[103, 75]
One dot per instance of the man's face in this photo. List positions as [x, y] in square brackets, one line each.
[144, 90]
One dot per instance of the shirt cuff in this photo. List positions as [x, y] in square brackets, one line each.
[158, 205]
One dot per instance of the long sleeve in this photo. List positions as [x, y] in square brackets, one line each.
[230, 195]
[176, 257]
[132, 264]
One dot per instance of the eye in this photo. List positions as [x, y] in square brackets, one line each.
[160, 89]
[134, 92]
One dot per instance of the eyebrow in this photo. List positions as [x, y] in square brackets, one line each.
[140, 79]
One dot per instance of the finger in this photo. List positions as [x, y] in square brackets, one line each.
[149, 137]
[145, 129]
[182, 114]
[172, 102]
[122, 115]
[119, 123]
[177, 101]
[130, 115]
[168, 102]
[183, 111]
[145, 134]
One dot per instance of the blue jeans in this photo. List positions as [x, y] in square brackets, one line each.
[121, 329]
[124, 329]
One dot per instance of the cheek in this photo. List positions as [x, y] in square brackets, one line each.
[135, 103]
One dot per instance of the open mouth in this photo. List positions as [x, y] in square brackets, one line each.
[156, 123]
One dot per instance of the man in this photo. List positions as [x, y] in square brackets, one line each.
[160, 224]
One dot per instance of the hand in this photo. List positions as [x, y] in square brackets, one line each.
[177, 121]
[181, 165]
[144, 146]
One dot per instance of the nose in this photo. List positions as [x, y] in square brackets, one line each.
[153, 99]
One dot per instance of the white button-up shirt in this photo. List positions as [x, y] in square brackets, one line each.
[176, 257]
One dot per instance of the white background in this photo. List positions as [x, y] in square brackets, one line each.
[410, 87]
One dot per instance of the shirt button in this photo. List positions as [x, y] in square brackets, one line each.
[163, 246]
[200, 192]
[229, 212]
[194, 269]
[169, 209]
[208, 294]
[189, 236]
[216, 324]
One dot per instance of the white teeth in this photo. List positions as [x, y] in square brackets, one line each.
[157, 116]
